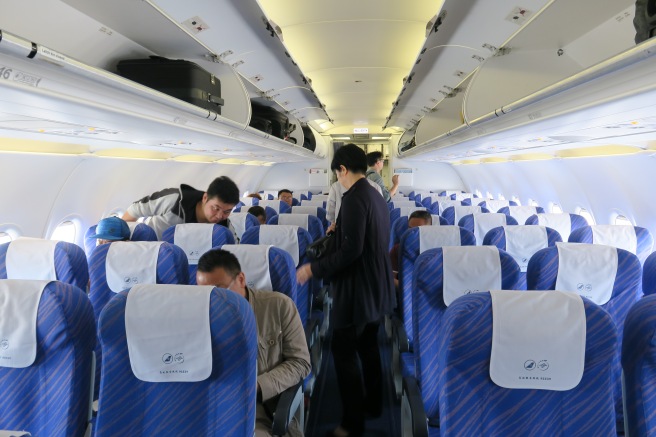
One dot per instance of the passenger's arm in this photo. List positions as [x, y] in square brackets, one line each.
[331, 204]
[395, 185]
[296, 357]
[128, 218]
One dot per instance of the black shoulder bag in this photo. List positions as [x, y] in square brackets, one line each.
[322, 247]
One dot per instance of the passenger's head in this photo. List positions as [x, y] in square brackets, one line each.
[259, 213]
[375, 160]
[221, 268]
[255, 196]
[420, 218]
[111, 229]
[285, 196]
[221, 196]
[349, 158]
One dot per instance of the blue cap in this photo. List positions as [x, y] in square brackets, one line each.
[113, 229]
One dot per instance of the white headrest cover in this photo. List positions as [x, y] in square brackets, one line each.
[132, 226]
[300, 220]
[248, 201]
[460, 211]
[538, 340]
[129, 263]
[238, 221]
[320, 197]
[407, 210]
[168, 332]
[470, 269]
[312, 210]
[273, 204]
[19, 306]
[463, 196]
[622, 237]
[404, 204]
[433, 237]
[436, 220]
[318, 203]
[521, 213]
[283, 237]
[562, 223]
[194, 238]
[483, 222]
[444, 204]
[495, 205]
[587, 269]
[523, 241]
[254, 262]
[31, 258]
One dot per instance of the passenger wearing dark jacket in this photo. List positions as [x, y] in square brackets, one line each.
[363, 289]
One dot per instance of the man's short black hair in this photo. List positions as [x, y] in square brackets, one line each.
[219, 258]
[224, 189]
[284, 190]
[373, 157]
[257, 211]
[423, 215]
[351, 157]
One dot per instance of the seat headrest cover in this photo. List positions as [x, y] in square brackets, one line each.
[588, 270]
[238, 220]
[562, 223]
[312, 210]
[622, 237]
[254, 262]
[300, 220]
[284, 237]
[538, 339]
[444, 204]
[273, 204]
[129, 263]
[436, 220]
[495, 205]
[19, 306]
[194, 238]
[460, 211]
[470, 269]
[522, 242]
[433, 237]
[407, 210]
[31, 258]
[483, 222]
[521, 213]
[168, 332]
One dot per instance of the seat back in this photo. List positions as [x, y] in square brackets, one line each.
[223, 404]
[558, 222]
[195, 239]
[138, 232]
[521, 213]
[32, 258]
[639, 365]
[248, 201]
[317, 203]
[462, 354]
[281, 236]
[648, 275]
[50, 397]
[303, 195]
[243, 221]
[635, 239]
[310, 223]
[269, 194]
[495, 205]
[278, 206]
[313, 210]
[440, 205]
[403, 204]
[480, 223]
[453, 214]
[413, 244]
[400, 225]
[404, 212]
[521, 247]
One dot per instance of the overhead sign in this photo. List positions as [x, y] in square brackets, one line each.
[361, 130]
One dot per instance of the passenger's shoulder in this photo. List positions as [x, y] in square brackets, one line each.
[272, 297]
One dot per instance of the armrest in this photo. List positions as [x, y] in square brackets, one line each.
[288, 402]
[413, 415]
[399, 335]
[314, 343]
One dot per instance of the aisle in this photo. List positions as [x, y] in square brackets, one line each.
[325, 410]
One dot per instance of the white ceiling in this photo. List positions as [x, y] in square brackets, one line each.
[355, 52]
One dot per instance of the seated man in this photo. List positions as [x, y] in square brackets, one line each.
[111, 229]
[283, 358]
[258, 212]
[417, 218]
[185, 204]
[286, 196]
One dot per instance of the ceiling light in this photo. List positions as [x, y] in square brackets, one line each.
[380, 138]
[341, 138]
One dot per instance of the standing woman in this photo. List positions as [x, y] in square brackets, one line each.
[363, 288]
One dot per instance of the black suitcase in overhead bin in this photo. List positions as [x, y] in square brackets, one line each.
[176, 77]
[309, 142]
[265, 116]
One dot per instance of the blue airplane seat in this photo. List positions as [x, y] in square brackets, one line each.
[309, 222]
[138, 232]
[453, 214]
[521, 242]
[35, 258]
[521, 213]
[564, 223]
[242, 221]
[400, 225]
[312, 210]
[273, 207]
[495, 205]
[480, 223]
[222, 404]
[635, 239]
[457, 394]
[195, 239]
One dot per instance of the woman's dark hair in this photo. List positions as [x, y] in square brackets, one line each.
[351, 157]
[218, 258]
[224, 189]
[373, 157]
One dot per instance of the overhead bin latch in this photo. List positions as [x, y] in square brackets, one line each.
[434, 23]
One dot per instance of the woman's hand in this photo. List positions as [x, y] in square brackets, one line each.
[303, 274]
[331, 228]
